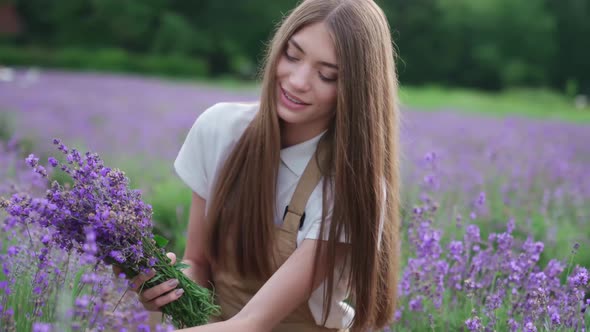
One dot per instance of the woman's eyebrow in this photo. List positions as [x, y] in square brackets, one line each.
[324, 63]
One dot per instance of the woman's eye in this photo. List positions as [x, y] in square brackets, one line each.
[290, 58]
[326, 79]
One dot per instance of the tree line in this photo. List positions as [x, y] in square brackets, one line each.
[488, 44]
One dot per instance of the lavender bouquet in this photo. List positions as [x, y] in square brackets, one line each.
[100, 202]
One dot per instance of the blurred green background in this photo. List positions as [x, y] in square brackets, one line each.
[484, 44]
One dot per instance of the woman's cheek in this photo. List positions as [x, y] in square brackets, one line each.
[329, 97]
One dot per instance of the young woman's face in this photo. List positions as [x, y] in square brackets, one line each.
[307, 76]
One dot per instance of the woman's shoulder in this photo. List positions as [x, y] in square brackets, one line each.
[210, 139]
[228, 113]
[226, 119]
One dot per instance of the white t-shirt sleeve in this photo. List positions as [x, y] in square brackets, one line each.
[191, 162]
[209, 142]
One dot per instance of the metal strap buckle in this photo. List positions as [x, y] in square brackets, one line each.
[300, 221]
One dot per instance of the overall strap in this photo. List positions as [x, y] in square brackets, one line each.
[295, 211]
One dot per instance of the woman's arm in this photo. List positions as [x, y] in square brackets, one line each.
[195, 250]
[289, 287]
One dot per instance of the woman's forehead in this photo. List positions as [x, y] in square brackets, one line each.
[315, 40]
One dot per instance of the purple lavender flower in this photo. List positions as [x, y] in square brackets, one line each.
[481, 199]
[579, 278]
[513, 325]
[554, 315]
[472, 234]
[416, 304]
[474, 324]
[53, 162]
[529, 327]
[42, 327]
[456, 250]
[32, 160]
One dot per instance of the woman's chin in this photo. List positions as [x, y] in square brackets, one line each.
[288, 116]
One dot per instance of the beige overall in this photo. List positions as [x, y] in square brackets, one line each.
[232, 292]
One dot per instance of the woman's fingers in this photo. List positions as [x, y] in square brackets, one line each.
[156, 291]
[158, 302]
[140, 279]
[157, 296]
[136, 282]
[172, 257]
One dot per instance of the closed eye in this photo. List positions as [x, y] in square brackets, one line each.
[290, 58]
[326, 79]
[294, 59]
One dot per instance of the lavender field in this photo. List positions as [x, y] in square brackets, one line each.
[495, 216]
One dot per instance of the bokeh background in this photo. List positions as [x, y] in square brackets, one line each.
[494, 94]
[487, 44]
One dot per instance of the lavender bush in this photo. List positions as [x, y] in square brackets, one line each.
[101, 217]
[497, 282]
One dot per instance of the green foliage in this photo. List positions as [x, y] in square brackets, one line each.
[6, 131]
[538, 103]
[108, 59]
[170, 200]
[176, 35]
[489, 44]
[573, 49]
[161, 242]
[175, 65]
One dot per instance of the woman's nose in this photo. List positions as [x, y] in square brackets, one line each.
[299, 78]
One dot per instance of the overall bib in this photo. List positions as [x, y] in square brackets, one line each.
[232, 292]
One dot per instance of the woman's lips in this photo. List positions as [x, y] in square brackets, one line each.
[288, 103]
[293, 97]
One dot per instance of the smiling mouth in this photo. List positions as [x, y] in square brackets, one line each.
[291, 98]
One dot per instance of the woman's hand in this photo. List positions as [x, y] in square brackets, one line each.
[156, 297]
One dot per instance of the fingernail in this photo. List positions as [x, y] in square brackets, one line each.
[172, 282]
[179, 291]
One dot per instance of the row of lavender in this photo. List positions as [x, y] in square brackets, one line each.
[515, 181]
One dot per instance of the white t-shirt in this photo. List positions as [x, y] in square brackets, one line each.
[209, 142]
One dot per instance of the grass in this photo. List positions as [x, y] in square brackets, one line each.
[536, 103]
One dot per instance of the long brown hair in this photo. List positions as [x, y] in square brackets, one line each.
[363, 139]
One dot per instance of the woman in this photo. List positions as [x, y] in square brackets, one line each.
[295, 199]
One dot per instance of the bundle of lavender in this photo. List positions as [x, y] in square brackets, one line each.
[100, 202]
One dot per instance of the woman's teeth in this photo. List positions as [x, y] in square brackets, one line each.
[293, 100]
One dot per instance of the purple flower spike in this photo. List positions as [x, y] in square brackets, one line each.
[474, 324]
[53, 162]
[32, 160]
[42, 327]
[481, 199]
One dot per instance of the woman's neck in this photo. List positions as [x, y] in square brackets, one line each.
[293, 134]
